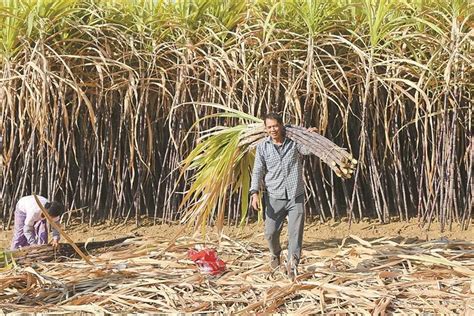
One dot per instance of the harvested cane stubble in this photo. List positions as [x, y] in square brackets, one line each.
[147, 275]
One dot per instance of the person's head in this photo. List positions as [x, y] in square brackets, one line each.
[274, 125]
[54, 208]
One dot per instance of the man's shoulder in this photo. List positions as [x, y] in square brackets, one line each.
[263, 143]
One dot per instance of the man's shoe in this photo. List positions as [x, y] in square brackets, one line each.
[292, 269]
[275, 262]
[292, 272]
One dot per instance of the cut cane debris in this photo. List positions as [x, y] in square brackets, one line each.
[147, 275]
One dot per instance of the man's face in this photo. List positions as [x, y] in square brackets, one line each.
[274, 129]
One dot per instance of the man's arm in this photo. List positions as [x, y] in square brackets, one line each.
[258, 171]
[54, 232]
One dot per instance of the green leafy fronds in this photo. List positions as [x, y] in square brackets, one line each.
[220, 166]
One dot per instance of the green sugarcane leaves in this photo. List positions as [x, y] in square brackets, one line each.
[221, 164]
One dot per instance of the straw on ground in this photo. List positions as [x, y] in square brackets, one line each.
[361, 276]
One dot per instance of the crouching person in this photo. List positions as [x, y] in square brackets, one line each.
[30, 224]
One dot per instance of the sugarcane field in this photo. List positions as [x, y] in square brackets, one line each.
[236, 157]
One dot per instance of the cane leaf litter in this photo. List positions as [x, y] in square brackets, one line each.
[142, 274]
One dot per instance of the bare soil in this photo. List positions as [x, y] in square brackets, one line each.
[328, 234]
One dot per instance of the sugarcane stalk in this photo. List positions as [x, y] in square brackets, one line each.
[330, 157]
[338, 159]
[326, 156]
[61, 231]
[321, 149]
[342, 153]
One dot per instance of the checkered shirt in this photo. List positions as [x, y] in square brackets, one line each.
[281, 168]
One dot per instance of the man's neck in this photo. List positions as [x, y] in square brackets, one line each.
[278, 141]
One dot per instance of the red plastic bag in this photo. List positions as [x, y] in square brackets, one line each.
[207, 261]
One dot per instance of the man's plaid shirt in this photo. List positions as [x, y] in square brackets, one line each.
[281, 167]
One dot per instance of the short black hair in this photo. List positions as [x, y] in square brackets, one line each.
[54, 208]
[273, 116]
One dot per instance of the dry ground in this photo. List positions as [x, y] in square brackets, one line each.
[329, 233]
[380, 269]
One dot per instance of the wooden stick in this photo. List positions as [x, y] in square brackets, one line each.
[62, 232]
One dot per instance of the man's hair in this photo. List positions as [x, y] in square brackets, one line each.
[273, 116]
[54, 208]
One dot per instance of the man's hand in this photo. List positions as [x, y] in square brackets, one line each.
[313, 129]
[55, 243]
[255, 202]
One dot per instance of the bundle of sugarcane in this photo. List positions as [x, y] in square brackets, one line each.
[222, 161]
[337, 158]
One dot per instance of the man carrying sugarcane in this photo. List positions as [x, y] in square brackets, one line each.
[30, 224]
[278, 162]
